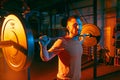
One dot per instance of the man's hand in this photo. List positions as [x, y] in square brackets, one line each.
[44, 40]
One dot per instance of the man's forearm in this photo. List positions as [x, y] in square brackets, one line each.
[44, 53]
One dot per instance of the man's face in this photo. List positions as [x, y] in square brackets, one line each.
[75, 27]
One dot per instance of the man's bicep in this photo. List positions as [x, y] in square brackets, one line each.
[56, 46]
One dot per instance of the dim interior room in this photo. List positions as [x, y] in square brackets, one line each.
[48, 17]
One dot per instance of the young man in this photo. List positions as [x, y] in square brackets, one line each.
[68, 48]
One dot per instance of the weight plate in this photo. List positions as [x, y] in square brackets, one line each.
[20, 54]
[94, 31]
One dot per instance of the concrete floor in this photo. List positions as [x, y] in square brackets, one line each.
[47, 71]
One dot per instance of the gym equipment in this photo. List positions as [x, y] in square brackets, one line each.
[94, 34]
[17, 41]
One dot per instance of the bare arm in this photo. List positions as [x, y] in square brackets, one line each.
[45, 54]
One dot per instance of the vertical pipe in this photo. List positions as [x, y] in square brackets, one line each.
[67, 8]
[118, 11]
[39, 23]
[95, 47]
[55, 16]
[51, 23]
[117, 32]
[29, 73]
[102, 2]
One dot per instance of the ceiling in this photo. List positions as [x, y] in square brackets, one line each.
[41, 5]
[38, 4]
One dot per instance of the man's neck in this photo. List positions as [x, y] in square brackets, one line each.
[73, 37]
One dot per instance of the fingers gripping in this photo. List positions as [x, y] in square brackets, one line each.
[44, 40]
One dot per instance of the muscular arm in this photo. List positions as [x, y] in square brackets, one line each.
[47, 55]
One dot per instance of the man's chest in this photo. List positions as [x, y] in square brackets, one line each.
[73, 47]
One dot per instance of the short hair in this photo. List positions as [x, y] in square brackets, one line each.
[73, 16]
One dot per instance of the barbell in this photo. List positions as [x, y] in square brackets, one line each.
[17, 41]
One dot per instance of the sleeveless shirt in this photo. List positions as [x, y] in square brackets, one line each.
[69, 60]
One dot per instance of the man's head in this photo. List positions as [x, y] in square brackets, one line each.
[74, 25]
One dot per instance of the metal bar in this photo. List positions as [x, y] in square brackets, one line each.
[14, 44]
[95, 47]
[53, 39]
[118, 11]
[6, 43]
[28, 73]
[67, 12]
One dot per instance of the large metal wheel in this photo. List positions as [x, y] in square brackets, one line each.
[16, 30]
[95, 33]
